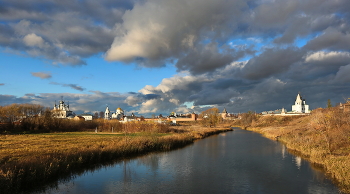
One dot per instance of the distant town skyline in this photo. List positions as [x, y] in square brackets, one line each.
[161, 56]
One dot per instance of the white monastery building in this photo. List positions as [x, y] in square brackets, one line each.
[299, 108]
[300, 105]
[119, 114]
[62, 110]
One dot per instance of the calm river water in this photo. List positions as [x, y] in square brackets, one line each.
[232, 162]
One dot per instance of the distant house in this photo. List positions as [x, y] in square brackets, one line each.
[132, 117]
[193, 117]
[87, 117]
[79, 118]
[345, 107]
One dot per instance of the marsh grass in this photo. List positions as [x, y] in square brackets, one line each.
[29, 161]
[322, 137]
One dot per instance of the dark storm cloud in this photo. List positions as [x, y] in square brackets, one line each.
[213, 96]
[69, 30]
[210, 57]
[326, 62]
[331, 39]
[271, 62]
[342, 75]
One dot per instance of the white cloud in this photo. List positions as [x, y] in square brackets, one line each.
[159, 30]
[133, 101]
[33, 40]
[150, 106]
[323, 56]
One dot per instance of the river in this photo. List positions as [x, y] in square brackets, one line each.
[234, 162]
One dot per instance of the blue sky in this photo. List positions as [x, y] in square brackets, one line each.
[98, 74]
[156, 57]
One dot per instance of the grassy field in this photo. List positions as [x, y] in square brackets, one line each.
[32, 160]
[322, 137]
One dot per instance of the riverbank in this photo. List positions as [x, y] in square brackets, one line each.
[31, 161]
[323, 138]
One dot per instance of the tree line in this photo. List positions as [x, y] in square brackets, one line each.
[36, 118]
[33, 118]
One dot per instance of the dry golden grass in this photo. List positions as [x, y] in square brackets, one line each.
[323, 138]
[32, 160]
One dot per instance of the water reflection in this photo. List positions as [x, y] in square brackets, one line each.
[298, 161]
[284, 151]
[235, 162]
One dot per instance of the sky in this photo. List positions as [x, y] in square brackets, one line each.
[152, 57]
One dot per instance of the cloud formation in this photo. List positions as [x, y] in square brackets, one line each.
[156, 31]
[41, 75]
[73, 86]
[239, 54]
[64, 32]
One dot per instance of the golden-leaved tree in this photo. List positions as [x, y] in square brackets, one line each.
[210, 117]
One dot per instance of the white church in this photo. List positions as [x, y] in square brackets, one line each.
[300, 105]
[299, 108]
[62, 110]
[119, 114]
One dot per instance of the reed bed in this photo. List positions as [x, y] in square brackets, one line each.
[322, 137]
[29, 161]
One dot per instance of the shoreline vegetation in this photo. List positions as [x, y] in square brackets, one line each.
[323, 138]
[30, 162]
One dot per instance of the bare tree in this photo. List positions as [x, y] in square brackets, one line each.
[101, 115]
[95, 115]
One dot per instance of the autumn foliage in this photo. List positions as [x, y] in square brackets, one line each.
[210, 117]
